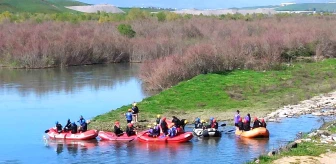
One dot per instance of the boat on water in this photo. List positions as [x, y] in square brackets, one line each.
[88, 135]
[179, 138]
[209, 132]
[260, 132]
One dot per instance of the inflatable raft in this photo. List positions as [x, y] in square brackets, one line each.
[254, 133]
[110, 136]
[90, 134]
[182, 137]
[210, 132]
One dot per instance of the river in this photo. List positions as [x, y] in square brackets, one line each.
[32, 100]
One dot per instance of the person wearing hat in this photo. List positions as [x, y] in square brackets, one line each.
[158, 119]
[73, 128]
[214, 124]
[176, 121]
[210, 122]
[155, 131]
[240, 124]
[256, 123]
[183, 123]
[246, 126]
[236, 118]
[197, 122]
[117, 129]
[130, 130]
[164, 126]
[58, 127]
[129, 116]
[135, 112]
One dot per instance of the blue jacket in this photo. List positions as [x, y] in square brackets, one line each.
[82, 122]
[129, 116]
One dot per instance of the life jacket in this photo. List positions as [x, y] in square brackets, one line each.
[236, 118]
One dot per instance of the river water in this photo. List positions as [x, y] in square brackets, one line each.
[32, 100]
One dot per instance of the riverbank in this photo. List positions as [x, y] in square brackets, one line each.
[220, 95]
[318, 146]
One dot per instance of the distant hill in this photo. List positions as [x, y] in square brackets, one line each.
[319, 7]
[38, 6]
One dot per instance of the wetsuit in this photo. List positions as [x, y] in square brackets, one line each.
[256, 124]
[73, 128]
[263, 124]
[240, 126]
[246, 126]
[182, 123]
[135, 110]
[164, 127]
[130, 131]
[67, 127]
[59, 128]
[117, 130]
[176, 121]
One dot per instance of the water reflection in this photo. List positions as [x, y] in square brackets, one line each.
[68, 80]
[71, 147]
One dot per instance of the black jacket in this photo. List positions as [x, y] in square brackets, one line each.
[117, 130]
[135, 110]
[256, 124]
[74, 129]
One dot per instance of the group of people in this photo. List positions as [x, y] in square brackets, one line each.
[130, 129]
[172, 130]
[72, 127]
[134, 112]
[245, 123]
[201, 124]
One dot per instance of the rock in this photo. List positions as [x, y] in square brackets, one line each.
[298, 141]
[271, 153]
[312, 134]
[306, 140]
[257, 161]
[292, 145]
[271, 120]
[317, 114]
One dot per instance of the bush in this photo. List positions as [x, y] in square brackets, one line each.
[126, 29]
[161, 16]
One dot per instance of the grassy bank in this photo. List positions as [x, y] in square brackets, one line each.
[309, 151]
[221, 94]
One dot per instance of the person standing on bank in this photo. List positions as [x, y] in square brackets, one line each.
[129, 116]
[135, 113]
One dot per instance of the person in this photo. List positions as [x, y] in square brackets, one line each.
[164, 126]
[246, 126]
[211, 122]
[240, 124]
[201, 124]
[197, 122]
[158, 119]
[176, 121]
[183, 123]
[155, 131]
[263, 123]
[58, 127]
[130, 130]
[256, 123]
[129, 116]
[73, 128]
[67, 127]
[248, 118]
[214, 124]
[172, 132]
[82, 124]
[117, 129]
[236, 118]
[135, 113]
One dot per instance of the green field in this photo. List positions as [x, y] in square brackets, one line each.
[38, 6]
[221, 94]
[319, 7]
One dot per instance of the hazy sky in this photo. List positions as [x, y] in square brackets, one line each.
[196, 3]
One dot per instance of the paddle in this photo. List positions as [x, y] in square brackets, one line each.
[46, 131]
[136, 137]
[223, 124]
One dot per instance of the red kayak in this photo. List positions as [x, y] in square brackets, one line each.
[110, 136]
[90, 134]
[182, 137]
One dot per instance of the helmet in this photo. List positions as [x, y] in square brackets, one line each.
[202, 121]
[164, 118]
[255, 118]
[154, 124]
[134, 104]
[158, 116]
[197, 119]
[117, 122]
[56, 122]
[262, 120]
[130, 110]
[214, 120]
[185, 121]
[238, 111]
[81, 117]
[73, 123]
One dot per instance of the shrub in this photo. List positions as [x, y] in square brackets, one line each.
[161, 16]
[126, 29]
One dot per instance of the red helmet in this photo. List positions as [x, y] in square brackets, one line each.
[129, 124]
[164, 118]
[214, 120]
[262, 120]
[255, 118]
[117, 122]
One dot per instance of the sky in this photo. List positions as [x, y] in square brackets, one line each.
[200, 4]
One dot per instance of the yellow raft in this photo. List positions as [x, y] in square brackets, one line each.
[254, 133]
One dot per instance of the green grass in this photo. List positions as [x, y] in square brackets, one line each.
[333, 129]
[319, 7]
[303, 149]
[38, 6]
[222, 93]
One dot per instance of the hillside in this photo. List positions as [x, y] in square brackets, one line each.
[38, 6]
[319, 7]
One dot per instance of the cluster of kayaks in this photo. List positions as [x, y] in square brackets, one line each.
[144, 137]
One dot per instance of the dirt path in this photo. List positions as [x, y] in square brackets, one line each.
[328, 158]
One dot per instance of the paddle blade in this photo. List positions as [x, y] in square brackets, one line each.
[46, 131]
[223, 124]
